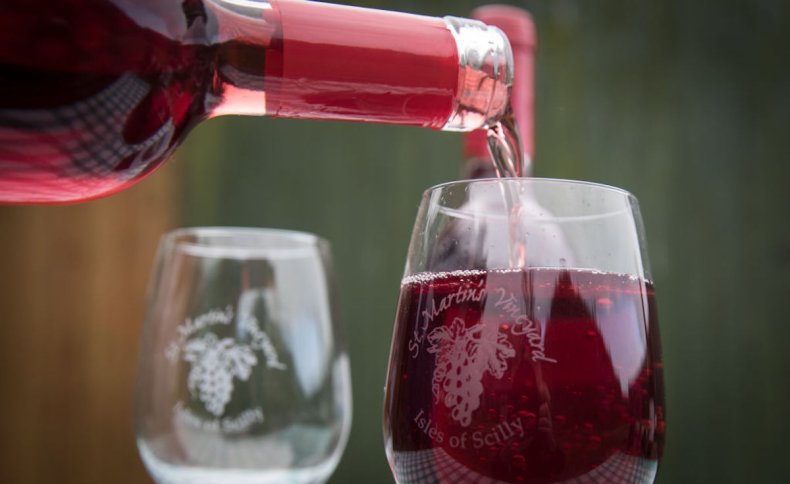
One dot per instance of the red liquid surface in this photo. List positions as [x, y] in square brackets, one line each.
[97, 93]
[536, 376]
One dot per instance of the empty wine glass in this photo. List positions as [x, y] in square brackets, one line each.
[526, 346]
[243, 375]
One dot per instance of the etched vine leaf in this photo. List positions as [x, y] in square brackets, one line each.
[463, 355]
[214, 364]
[495, 349]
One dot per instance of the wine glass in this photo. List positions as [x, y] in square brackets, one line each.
[526, 346]
[243, 375]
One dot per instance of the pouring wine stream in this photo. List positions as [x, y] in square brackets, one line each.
[510, 161]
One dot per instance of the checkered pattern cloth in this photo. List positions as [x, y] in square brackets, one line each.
[85, 137]
[435, 465]
[620, 469]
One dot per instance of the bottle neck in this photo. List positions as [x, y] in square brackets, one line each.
[243, 32]
[517, 24]
[296, 59]
[485, 74]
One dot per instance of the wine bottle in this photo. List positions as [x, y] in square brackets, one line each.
[98, 93]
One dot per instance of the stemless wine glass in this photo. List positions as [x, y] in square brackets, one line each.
[526, 346]
[243, 375]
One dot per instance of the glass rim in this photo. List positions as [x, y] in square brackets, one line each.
[628, 201]
[532, 181]
[224, 242]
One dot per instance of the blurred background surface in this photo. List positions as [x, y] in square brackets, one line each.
[684, 103]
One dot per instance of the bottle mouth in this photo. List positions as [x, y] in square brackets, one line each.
[485, 74]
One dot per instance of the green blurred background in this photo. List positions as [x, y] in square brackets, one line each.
[686, 103]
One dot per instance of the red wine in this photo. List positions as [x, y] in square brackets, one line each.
[98, 93]
[534, 376]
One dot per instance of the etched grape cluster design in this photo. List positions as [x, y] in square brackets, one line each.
[463, 355]
[214, 364]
